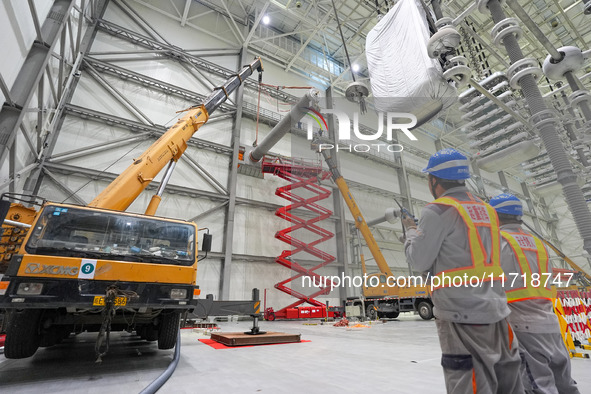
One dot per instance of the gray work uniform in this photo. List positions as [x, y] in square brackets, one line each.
[546, 367]
[480, 353]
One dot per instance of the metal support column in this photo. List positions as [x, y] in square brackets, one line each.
[30, 74]
[339, 209]
[531, 207]
[33, 182]
[438, 144]
[551, 223]
[232, 180]
[477, 177]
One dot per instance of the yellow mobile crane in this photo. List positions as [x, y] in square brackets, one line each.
[97, 268]
[385, 299]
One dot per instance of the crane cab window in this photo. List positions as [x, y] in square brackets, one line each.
[74, 232]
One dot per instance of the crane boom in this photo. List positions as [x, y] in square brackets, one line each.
[121, 193]
[360, 222]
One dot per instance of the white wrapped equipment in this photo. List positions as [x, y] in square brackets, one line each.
[403, 76]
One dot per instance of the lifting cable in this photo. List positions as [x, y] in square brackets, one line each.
[278, 87]
[336, 14]
[256, 138]
[101, 347]
[94, 178]
[103, 337]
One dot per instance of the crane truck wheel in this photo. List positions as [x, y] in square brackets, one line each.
[148, 332]
[50, 337]
[372, 312]
[168, 329]
[425, 310]
[22, 334]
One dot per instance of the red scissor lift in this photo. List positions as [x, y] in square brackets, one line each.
[305, 175]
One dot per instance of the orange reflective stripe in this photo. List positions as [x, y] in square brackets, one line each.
[476, 214]
[474, 387]
[520, 241]
[510, 335]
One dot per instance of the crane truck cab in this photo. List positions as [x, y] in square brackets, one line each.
[78, 264]
[99, 268]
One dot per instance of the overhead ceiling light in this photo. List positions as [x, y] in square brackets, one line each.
[355, 67]
[266, 19]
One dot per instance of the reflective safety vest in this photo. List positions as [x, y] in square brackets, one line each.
[529, 251]
[476, 215]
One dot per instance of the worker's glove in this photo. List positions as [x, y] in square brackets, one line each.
[408, 221]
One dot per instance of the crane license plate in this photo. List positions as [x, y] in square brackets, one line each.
[100, 301]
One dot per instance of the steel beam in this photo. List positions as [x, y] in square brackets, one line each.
[177, 53]
[105, 176]
[204, 174]
[236, 31]
[139, 21]
[477, 178]
[232, 181]
[35, 20]
[97, 148]
[6, 92]
[12, 166]
[257, 21]
[28, 140]
[85, 113]
[339, 209]
[177, 18]
[208, 212]
[69, 192]
[30, 74]
[320, 26]
[164, 87]
[33, 182]
[531, 206]
[120, 97]
[186, 12]
[550, 222]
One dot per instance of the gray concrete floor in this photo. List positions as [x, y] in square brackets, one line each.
[400, 356]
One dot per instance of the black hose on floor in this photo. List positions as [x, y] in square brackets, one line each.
[160, 380]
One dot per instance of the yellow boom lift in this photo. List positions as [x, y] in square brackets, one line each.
[69, 268]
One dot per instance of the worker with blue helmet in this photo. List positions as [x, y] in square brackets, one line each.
[457, 244]
[507, 204]
[448, 164]
[524, 259]
[448, 167]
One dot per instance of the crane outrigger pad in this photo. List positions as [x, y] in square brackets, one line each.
[242, 339]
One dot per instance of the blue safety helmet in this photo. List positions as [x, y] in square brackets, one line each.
[508, 204]
[449, 164]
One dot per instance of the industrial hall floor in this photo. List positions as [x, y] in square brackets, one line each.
[399, 356]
